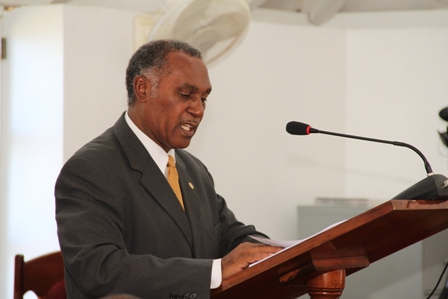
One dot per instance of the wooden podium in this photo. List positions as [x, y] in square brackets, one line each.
[319, 265]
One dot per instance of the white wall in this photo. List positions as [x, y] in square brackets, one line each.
[3, 203]
[98, 43]
[262, 171]
[32, 132]
[384, 83]
[62, 86]
[5, 272]
[397, 85]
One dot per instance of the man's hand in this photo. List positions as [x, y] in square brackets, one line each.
[243, 255]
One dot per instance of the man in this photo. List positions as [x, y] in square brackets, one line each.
[122, 228]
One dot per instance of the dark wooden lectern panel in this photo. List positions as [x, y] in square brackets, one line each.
[316, 265]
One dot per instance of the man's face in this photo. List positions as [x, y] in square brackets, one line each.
[171, 115]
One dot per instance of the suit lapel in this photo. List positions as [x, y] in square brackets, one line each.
[156, 184]
[152, 179]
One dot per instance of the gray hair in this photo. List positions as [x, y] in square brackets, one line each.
[150, 60]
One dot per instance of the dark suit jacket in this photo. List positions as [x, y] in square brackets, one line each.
[122, 230]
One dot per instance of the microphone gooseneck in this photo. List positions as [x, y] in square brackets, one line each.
[434, 186]
[298, 128]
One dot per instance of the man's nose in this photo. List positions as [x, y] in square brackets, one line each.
[197, 107]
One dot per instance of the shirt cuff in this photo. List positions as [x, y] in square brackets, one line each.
[216, 274]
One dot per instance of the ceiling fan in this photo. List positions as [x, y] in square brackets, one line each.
[215, 27]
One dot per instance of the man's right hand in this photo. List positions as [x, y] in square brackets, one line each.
[243, 255]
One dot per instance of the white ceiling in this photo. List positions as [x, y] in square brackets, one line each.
[318, 11]
[362, 5]
[291, 5]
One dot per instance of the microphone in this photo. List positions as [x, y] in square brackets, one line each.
[434, 186]
[444, 114]
[444, 135]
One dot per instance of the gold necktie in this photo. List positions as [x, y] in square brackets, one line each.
[173, 179]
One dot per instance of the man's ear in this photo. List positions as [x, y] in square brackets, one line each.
[141, 89]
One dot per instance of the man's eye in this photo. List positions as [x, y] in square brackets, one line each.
[185, 95]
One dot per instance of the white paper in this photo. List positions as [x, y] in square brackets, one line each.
[286, 243]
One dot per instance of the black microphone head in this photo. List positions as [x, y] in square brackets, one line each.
[444, 114]
[298, 128]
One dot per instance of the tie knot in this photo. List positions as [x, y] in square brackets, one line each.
[171, 162]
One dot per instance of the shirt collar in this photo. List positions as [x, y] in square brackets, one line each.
[157, 153]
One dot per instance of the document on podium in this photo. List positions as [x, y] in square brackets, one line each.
[286, 244]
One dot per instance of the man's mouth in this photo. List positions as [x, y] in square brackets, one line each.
[187, 127]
